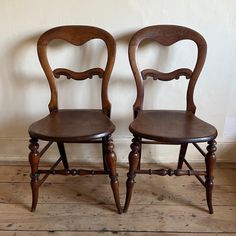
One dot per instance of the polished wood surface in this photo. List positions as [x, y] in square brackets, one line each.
[172, 127]
[166, 35]
[72, 126]
[74, 205]
[169, 126]
[77, 125]
[77, 35]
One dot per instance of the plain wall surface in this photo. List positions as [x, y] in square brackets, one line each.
[24, 91]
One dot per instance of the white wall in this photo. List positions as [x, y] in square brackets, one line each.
[24, 92]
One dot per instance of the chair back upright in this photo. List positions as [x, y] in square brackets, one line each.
[77, 35]
[166, 35]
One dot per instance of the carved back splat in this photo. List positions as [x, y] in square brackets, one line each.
[166, 35]
[77, 35]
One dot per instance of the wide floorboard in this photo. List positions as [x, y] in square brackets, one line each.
[77, 205]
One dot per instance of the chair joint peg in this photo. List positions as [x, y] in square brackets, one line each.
[113, 178]
[35, 176]
[150, 171]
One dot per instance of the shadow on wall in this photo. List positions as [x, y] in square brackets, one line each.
[159, 94]
[157, 57]
[16, 95]
[26, 94]
[226, 152]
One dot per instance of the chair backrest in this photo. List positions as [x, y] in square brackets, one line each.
[77, 35]
[166, 35]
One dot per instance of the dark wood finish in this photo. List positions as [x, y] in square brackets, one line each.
[140, 153]
[182, 153]
[110, 158]
[166, 210]
[78, 75]
[157, 75]
[72, 126]
[73, 172]
[169, 126]
[77, 125]
[134, 162]
[34, 158]
[167, 35]
[197, 176]
[183, 127]
[105, 167]
[210, 164]
[170, 172]
[62, 152]
[77, 35]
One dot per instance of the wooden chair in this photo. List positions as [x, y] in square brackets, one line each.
[169, 126]
[77, 125]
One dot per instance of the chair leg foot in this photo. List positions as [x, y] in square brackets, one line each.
[133, 165]
[34, 162]
[35, 193]
[210, 163]
[129, 190]
[110, 159]
[115, 190]
[209, 188]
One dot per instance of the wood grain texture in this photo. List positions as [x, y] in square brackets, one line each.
[225, 173]
[71, 206]
[78, 75]
[104, 233]
[174, 127]
[95, 218]
[166, 35]
[166, 76]
[82, 193]
[72, 126]
[77, 35]
[169, 126]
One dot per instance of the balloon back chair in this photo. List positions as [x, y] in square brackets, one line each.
[74, 125]
[175, 127]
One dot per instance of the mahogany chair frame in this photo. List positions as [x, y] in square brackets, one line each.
[167, 35]
[76, 35]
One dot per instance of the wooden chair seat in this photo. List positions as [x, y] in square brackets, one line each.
[172, 126]
[72, 126]
[169, 126]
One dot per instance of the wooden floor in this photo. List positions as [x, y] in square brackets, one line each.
[84, 205]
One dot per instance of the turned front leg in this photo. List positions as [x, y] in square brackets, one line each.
[210, 164]
[110, 159]
[133, 165]
[34, 158]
